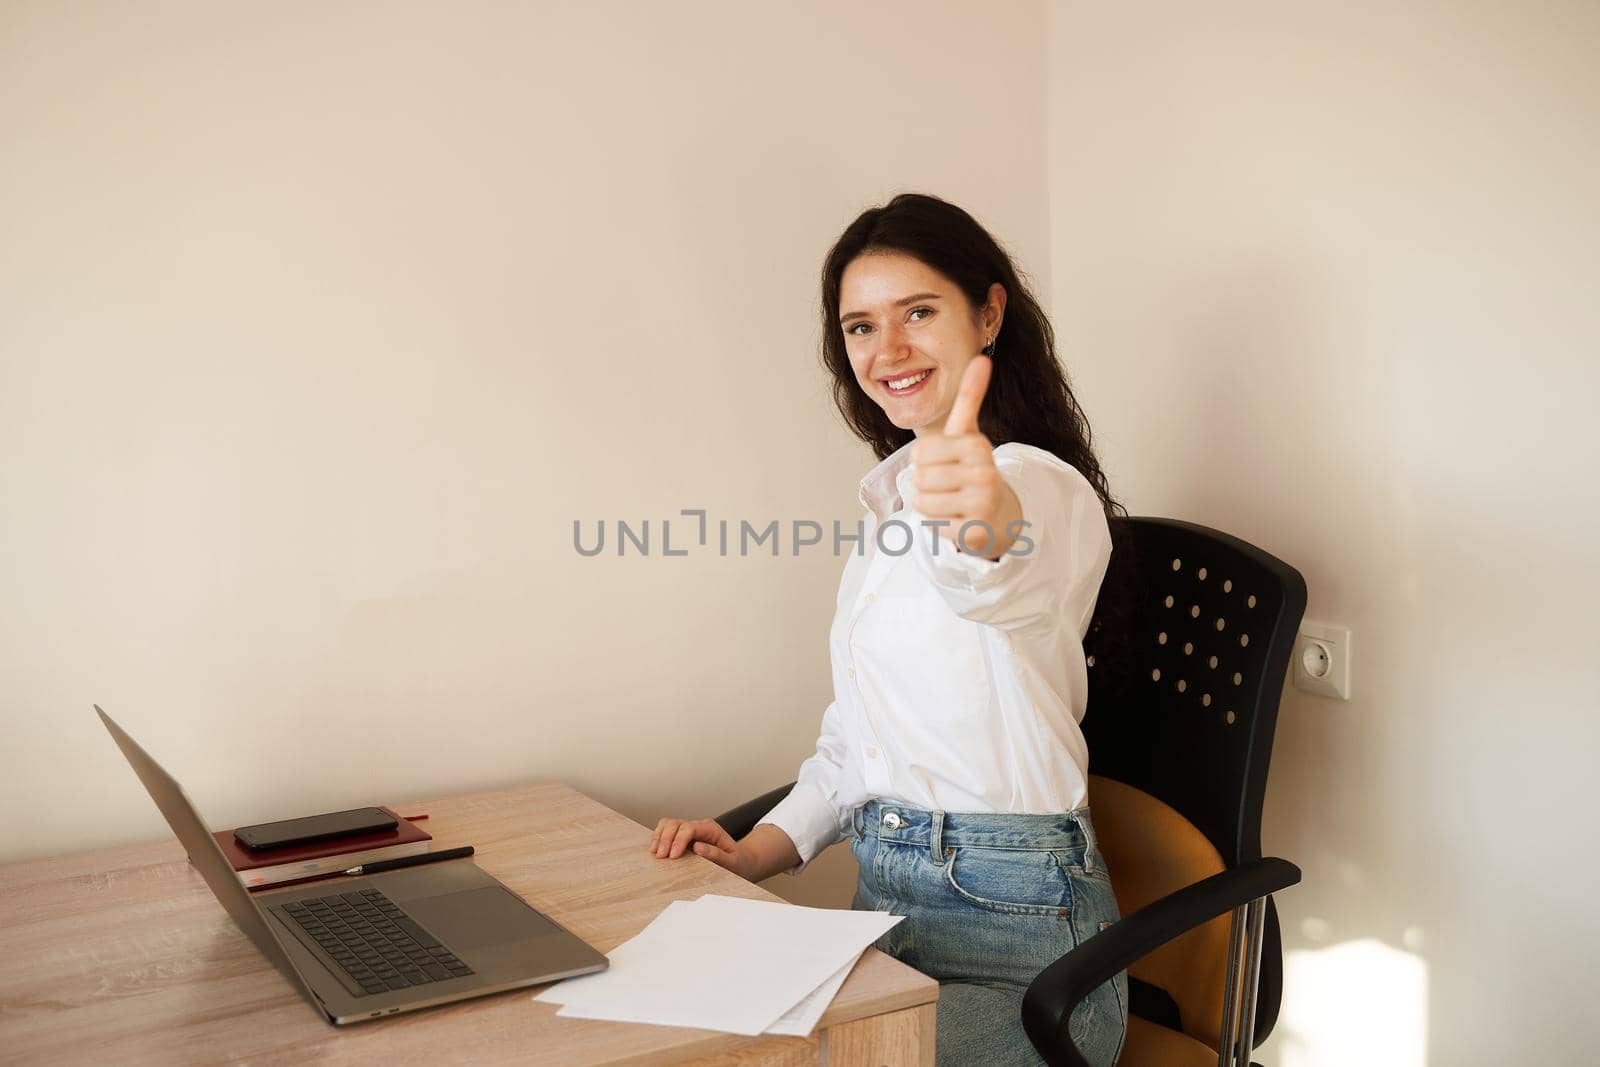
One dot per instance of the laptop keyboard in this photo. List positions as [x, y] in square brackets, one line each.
[374, 942]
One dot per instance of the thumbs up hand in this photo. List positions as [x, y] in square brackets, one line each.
[956, 477]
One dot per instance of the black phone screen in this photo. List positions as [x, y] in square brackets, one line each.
[315, 828]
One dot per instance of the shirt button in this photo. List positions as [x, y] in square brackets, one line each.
[867, 599]
[872, 753]
[850, 671]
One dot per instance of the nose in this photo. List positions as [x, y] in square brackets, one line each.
[893, 345]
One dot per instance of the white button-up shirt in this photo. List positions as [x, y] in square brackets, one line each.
[959, 682]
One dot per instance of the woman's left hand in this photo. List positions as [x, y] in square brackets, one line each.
[957, 480]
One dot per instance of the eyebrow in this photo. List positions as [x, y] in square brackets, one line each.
[912, 299]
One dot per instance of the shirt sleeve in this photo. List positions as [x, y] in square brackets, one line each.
[812, 814]
[1054, 570]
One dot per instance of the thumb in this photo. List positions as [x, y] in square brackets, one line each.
[969, 397]
[723, 857]
[711, 837]
[717, 845]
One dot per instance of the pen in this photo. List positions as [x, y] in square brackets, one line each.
[411, 861]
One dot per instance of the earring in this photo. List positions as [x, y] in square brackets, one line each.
[988, 349]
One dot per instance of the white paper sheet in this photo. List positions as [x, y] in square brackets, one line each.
[801, 1019]
[726, 963]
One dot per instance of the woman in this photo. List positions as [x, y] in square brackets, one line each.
[951, 755]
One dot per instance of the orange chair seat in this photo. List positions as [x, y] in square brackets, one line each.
[1153, 1045]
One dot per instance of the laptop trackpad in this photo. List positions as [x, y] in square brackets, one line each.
[474, 918]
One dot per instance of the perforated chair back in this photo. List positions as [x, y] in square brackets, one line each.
[1187, 656]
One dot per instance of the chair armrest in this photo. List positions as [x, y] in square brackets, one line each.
[1047, 1005]
[738, 822]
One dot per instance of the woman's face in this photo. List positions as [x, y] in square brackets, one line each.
[908, 326]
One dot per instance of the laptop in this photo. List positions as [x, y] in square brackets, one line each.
[362, 948]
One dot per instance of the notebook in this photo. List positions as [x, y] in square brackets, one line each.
[258, 868]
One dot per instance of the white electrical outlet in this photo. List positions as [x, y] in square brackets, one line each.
[1322, 660]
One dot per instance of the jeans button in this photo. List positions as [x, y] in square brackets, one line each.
[892, 820]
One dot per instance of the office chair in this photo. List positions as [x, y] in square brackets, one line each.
[1187, 654]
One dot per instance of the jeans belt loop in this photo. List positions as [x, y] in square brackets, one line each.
[936, 839]
[1090, 847]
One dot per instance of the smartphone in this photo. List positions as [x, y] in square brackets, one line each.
[315, 828]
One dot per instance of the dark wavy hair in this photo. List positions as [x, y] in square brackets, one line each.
[1029, 399]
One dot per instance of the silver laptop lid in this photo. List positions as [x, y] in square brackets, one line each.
[204, 852]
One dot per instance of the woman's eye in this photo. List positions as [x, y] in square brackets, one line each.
[851, 330]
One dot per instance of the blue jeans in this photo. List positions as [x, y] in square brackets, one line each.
[990, 901]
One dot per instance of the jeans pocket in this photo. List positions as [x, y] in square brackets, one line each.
[1011, 881]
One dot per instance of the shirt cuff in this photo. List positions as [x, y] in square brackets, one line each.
[810, 821]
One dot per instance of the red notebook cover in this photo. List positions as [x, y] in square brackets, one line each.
[247, 859]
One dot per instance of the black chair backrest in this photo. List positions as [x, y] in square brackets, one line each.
[1188, 650]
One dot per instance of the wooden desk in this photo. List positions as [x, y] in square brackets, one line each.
[124, 956]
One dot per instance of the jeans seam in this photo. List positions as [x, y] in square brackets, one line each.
[1117, 989]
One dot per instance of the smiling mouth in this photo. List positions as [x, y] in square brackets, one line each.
[907, 384]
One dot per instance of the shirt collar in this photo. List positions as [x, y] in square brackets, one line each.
[882, 491]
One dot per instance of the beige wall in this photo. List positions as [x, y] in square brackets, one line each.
[322, 325]
[320, 328]
[1327, 277]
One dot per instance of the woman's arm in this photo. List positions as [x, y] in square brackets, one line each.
[772, 851]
